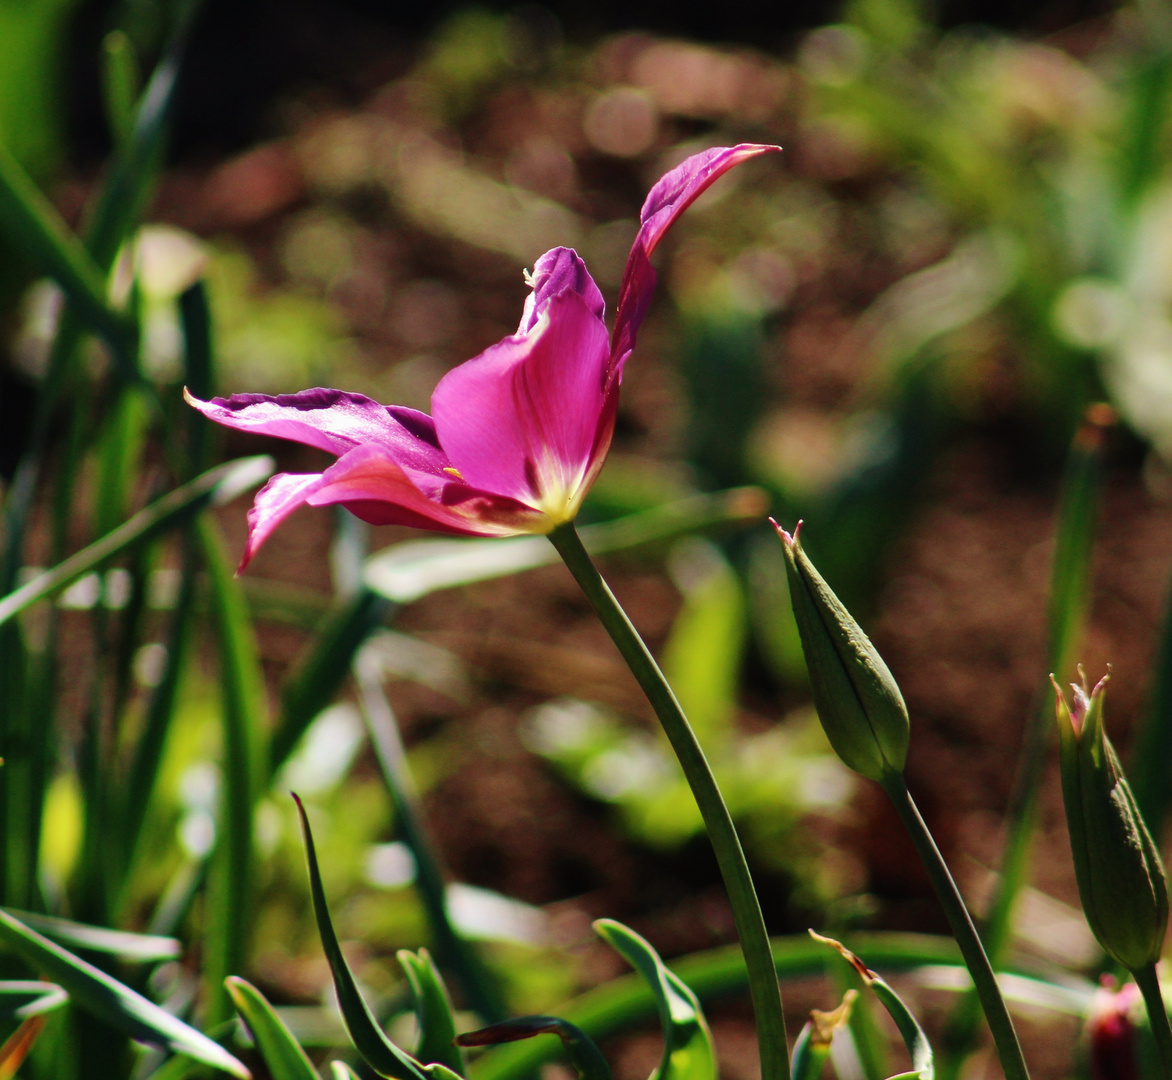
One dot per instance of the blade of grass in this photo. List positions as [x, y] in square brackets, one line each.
[228, 918]
[36, 228]
[110, 1000]
[281, 1054]
[406, 572]
[433, 1012]
[135, 948]
[120, 84]
[216, 486]
[476, 980]
[382, 1055]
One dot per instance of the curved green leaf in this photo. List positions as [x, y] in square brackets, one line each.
[342, 1071]
[687, 1042]
[580, 1049]
[138, 948]
[281, 1053]
[433, 1011]
[405, 572]
[108, 999]
[22, 999]
[382, 1055]
[909, 1027]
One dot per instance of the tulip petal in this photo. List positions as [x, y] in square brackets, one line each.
[523, 418]
[556, 271]
[334, 421]
[283, 494]
[373, 486]
[672, 194]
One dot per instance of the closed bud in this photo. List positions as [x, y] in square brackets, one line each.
[1120, 877]
[858, 701]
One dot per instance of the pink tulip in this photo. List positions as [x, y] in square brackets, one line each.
[516, 435]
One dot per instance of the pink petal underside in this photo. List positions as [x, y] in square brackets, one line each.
[373, 486]
[530, 406]
[334, 421]
[283, 494]
[556, 271]
[672, 194]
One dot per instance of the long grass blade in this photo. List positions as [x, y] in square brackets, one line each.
[459, 955]
[226, 927]
[216, 486]
[382, 1055]
[112, 1001]
[36, 228]
[281, 1053]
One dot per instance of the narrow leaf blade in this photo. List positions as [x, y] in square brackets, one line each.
[281, 1053]
[110, 1000]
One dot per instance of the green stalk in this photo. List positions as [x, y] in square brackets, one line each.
[478, 983]
[763, 984]
[1008, 1048]
[1149, 985]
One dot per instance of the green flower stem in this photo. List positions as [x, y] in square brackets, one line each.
[763, 984]
[1008, 1048]
[1149, 986]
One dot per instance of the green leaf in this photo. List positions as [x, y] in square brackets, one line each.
[96, 992]
[433, 1011]
[586, 1058]
[909, 1027]
[284, 1058]
[382, 1055]
[230, 899]
[342, 1071]
[405, 572]
[136, 948]
[687, 1042]
[22, 999]
[212, 488]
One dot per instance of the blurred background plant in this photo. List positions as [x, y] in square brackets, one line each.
[894, 330]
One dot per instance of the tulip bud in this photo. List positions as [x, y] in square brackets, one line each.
[1120, 877]
[858, 701]
[1111, 1026]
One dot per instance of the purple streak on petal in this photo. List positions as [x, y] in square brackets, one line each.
[556, 271]
[283, 494]
[525, 413]
[334, 421]
[672, 194]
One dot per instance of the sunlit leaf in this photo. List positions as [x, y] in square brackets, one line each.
[433, 1011]
[138, 948]
[687, 1042]
[284, 1058]
[110, 1000]
[16, 1048]
[22, 999]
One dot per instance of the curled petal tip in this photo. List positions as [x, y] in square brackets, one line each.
[784, 537]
